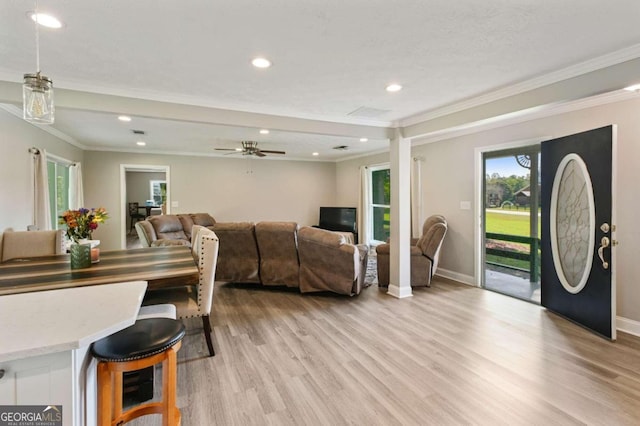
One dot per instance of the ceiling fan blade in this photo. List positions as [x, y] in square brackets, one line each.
[272, 152]
[259, 154]
[226, 149]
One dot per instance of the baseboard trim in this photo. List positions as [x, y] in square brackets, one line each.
[399, 292]
[628, 325]
[456, 276]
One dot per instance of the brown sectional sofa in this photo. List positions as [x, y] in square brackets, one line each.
[278, 248]
[270, 253]
[170, 229]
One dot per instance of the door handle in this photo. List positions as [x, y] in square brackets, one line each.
[604, 243]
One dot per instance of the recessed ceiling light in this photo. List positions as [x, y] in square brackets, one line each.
[393, 88]
[363, 139]
[261, 62]
[634, 88]
[124, 118]
[315, 154]
[141, 143]
[45, 20]
[264, 132]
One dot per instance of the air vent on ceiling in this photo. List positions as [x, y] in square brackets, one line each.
[138, 132]
[341, 147]
[368, 112]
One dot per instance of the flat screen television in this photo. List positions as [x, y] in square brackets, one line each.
[338, 219]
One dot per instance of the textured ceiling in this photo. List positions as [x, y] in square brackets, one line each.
[330, 57]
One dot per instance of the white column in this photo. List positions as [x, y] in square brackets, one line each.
[399, 255]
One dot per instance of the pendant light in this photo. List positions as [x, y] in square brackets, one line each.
[37, 90]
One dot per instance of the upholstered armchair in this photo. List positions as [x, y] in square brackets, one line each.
[329, 263]
[425, 252]
[278, 247]
[194, 301]
[238, 260]
[22, 244]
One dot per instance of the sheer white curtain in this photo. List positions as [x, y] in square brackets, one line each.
[76, 193]
[363, 206]
[416, 198]
[41, 207]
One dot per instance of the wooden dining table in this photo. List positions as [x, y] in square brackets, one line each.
[148, 208]
[159, 266]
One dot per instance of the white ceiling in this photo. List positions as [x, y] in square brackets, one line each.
[329, 57]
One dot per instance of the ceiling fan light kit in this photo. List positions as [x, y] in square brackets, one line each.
[250, 148]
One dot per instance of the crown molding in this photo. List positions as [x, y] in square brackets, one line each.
[610, 59]
[523, 116]
[14, 110]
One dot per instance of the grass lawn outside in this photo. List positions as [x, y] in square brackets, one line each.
[509, 224]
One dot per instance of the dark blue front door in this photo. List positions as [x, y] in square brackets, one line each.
[577, 269]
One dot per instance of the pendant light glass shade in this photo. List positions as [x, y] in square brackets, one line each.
[37, 99]
[37, 90]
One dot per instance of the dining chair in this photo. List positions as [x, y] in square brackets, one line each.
[194, 300]
[134, 214]
[22, 244]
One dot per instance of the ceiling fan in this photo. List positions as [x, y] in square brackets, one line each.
[250, 148]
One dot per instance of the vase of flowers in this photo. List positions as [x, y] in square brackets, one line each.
[80, 225]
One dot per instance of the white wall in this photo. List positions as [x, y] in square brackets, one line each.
[276, 190]
[16, 192]
[448, 178]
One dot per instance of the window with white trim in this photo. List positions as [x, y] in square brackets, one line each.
[58, 178]
[380, 203]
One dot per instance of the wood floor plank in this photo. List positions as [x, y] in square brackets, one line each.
[451, 354]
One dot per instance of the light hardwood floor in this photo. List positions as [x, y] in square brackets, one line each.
[451, 354]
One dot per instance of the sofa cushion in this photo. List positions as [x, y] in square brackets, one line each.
[278, 248]
[203, 219]
[327, 263]
[187, 224]
[168, 227]
[146, 233]
[168, 243]
[238, 259]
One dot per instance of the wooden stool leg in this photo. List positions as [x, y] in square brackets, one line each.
[117, 394]
[104, 395]
[171, 413]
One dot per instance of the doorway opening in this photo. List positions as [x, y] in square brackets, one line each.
[144, 191]
[511, 222]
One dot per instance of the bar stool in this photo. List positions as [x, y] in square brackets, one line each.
[144, 344]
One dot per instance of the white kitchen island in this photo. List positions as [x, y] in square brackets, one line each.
[44, 344]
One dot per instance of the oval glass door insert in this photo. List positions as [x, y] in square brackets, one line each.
[572, 223]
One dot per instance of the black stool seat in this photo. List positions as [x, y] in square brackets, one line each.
[145, 338]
